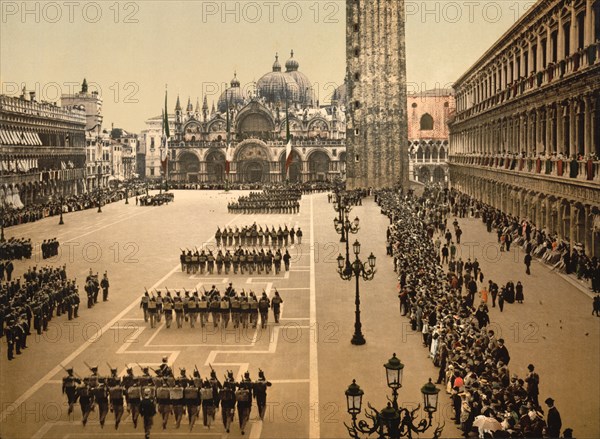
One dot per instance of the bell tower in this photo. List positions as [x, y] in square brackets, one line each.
[377, 130]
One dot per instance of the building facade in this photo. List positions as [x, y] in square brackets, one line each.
[42, 150]
[98, 163]
[526, 134]
[428, 135]
[376, 90]
[257, 134]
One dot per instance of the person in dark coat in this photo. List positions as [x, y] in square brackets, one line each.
[147, 410]
[554, 422]
[519, 292]
[527, 261]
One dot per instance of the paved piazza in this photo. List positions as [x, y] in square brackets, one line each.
[308, 356]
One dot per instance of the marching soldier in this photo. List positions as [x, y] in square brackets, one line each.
[69, 387]
[134, 395]
[168, 309]
[243, 397]
[202, 261]
[263, 306]
[277, 261]
[183, 261]
[208, 403]
[253, 309]
[152, 311]
[203, 310]
[260, 393]
[235, 260]
[210, 262]
[235, 310]
[191, 396]
[164, 370]
[178, 306]
[147, 410]
[227, 398]
[85, 401]
[116, 393]
[143, 305]
[100, 393]
[227, 261]
[159, 306]
[225, 311]
[219, 261]
[244, 310]
[192, 309]
[218, 237]
[276, 305]
[163, 400]
[176, 395]
[215, 309]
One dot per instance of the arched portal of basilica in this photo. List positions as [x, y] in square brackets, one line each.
[253, 163]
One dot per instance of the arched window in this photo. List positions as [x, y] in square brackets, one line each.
[426, 122]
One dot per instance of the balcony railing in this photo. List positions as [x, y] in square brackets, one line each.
[40, 176]
[587, 170]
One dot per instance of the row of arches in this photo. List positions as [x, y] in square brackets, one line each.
[253, 164]
[570, 220]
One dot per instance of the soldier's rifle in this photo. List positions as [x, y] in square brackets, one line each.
[74, 373]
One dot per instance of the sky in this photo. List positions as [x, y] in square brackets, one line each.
[130, 51]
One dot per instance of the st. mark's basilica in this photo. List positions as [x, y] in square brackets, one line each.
[258, 129]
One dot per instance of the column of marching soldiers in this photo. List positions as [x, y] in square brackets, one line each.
[167, 394]
[241, 310]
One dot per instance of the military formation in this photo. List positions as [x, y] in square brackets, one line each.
[241, 310]
[284, 201]
[156, 200]
[15, 248]
[239, 261]
[31, 304]
[49, 248]
[161, 391]
[255, 235]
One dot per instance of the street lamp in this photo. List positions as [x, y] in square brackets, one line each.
[357, 269]
[392, 422]
[62, 203]
[126, 195]
[2, 239]
[100, 203]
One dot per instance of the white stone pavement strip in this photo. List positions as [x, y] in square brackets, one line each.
[314, 426]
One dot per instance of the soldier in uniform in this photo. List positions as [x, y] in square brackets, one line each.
[182, 261]
[147, 410]
[176, 395]
[227, 261]
[203, 310]
[85, 401]
[191, 396]
[243, 257]
[218, 237]
[134, 396]
[235, 260]
[253, 309]
[69, 387]
[260, 393]
[159, 305]
[227, 398]
[163, 399]
[178, 306]
[276, 305]
[210, 258]
[215, 308]
[243, 397]
[225, 311]
[244, 310]
[168, 309]
[192, 309]
[104, 284]
[116, 393]
[152, 311]
[164, 370]
[219, 261]
[143, 305]
[235, 310]
[299, 236]
[208, 403]
[277, 261]
[263, 306]
[101, 399]
[202, 260]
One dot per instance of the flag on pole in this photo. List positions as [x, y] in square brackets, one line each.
[164, 150]
[228, 148]
[288, 138]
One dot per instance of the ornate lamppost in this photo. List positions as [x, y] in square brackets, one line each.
[100, 202]
[358, 270]
[62, 205]
[343, 209]
[393, 421]
[345, 227]
[126, 194]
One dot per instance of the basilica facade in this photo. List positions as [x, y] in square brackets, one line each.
[257, 134]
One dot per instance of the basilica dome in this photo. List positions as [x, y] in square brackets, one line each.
[304, 86]
[234, 94]
[274, 85]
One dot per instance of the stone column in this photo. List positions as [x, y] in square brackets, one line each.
[560, 141]
[587, 136]
[573, 36]
[572, 127]
[588, 35]
[560, 40]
